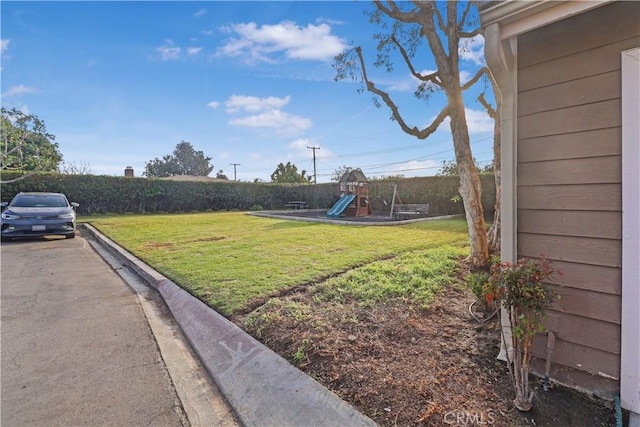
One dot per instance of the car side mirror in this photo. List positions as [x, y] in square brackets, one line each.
[75, 205]
[4, 205]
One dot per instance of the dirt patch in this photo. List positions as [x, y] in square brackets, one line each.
[404, 365]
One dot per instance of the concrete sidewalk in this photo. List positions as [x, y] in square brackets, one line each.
[262, 388]
[77, 347]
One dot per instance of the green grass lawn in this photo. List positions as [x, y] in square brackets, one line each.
[230, 259]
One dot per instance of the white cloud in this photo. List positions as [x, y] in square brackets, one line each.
[259, 43]
[465, 76]
[207, 32]
[4, 45]
[270, 114]
[169, 51]
[472, 50]
[329, 21]
[193, 50]
[409, 83]
[200, 13]
[281, 122]
[253, 104]
[213, 104]
[19, 90]
[478, 121]
[301, 144]
[408, 169]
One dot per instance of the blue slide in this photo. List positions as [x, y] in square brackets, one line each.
[340, 205]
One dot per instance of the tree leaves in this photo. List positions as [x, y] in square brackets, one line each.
[289, 174]
[185, 160]
[25, 144]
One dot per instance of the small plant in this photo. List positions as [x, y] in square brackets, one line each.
[480, 309]
[522, 289]
[301, 354]
[476, 283]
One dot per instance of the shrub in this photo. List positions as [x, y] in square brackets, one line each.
[522, 289]
[99, 194]
[476, 283]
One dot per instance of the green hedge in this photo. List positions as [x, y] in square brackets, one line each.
[98, 194]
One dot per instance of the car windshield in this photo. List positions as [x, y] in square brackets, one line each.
[40, 201]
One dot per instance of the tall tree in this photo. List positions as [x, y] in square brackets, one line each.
[25, 144]
[444, 29]
[185, 160]
[289, 174]
[494, 231]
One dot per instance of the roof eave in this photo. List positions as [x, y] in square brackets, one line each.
[516, 17]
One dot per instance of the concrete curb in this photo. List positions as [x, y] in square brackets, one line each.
[262, 387]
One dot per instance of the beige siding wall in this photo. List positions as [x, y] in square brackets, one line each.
[569, 182]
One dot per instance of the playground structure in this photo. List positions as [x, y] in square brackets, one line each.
[354, 196]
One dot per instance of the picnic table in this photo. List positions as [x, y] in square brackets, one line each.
[297, 204]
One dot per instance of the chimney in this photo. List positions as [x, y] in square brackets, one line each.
[128, 171]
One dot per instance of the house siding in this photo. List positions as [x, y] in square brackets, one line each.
[569, 183]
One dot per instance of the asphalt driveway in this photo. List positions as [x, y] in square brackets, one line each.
[76, 346]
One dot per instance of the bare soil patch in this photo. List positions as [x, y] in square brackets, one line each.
[404, 365]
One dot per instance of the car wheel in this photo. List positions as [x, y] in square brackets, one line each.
[70, 236]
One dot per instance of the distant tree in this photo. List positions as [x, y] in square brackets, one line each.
[220, 175]
[450, 168]
[25, 144]
[161, 168]
[289, 174]
[395, 177]
[75, 169]
[392, 177]
[185, 160]
[337, 174]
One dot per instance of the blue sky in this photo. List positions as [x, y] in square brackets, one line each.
[121, 83]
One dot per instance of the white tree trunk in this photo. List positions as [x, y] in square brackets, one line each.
[470, 187]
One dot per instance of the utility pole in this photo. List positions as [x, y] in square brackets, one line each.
[234, 169]
[315, 181]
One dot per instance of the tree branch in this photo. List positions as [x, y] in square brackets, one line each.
[20, 178]
[428, 78]
[395, 12]
[469, 34]
[420, 134]
[482, 71]
[490, 110]
[431, 8]
[452, 31]
[464, 14]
